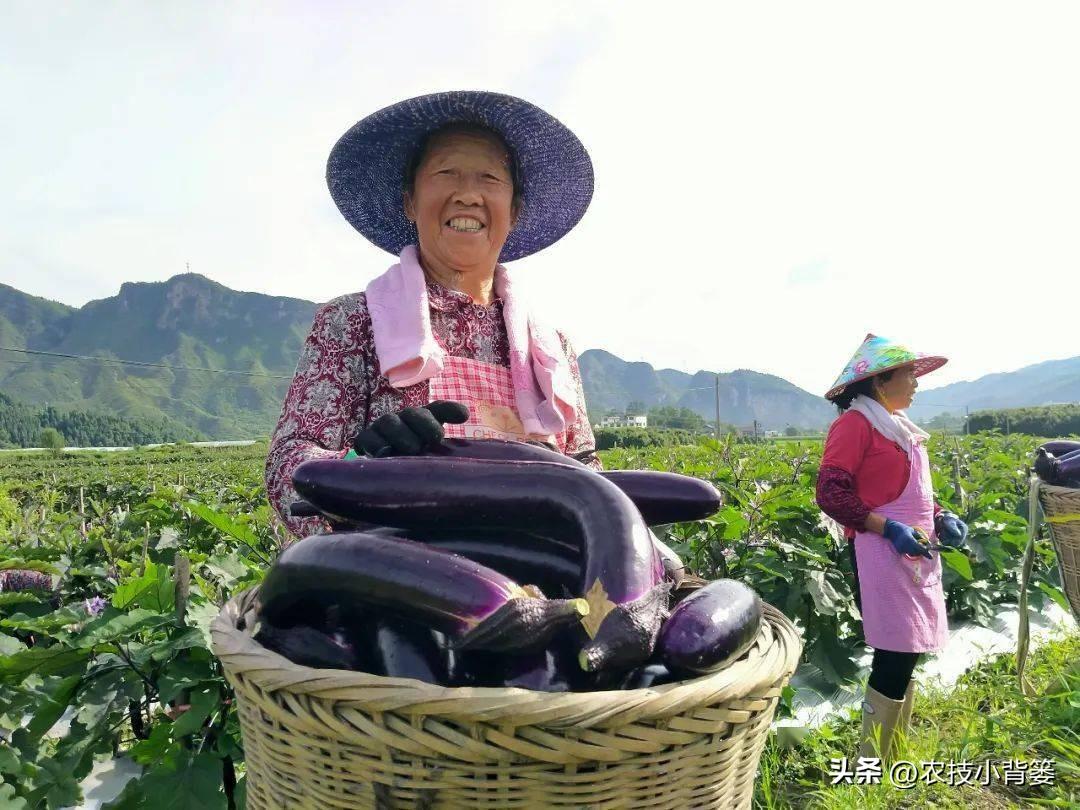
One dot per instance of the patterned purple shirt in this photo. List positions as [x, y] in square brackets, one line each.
[338, 387]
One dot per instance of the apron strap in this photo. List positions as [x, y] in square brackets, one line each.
[1023, 632]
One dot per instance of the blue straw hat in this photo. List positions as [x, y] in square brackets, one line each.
[366, 169]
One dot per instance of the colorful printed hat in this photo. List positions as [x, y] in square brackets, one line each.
[878, 354]
[366, 169]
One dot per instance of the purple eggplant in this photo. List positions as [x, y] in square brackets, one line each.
[710, 628]
[622, 575]
[478, 606]
[531, 559]
[666, 497]
[1060, 447]
[309, 647]
[552, 669]
[1058, 470]
[399, 648]
[661, 497]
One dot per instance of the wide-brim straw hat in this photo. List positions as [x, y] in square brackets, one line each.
[366, 169]
[878, 354]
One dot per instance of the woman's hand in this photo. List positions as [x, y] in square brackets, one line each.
[409, 431]
[950, 529]
[905, 539]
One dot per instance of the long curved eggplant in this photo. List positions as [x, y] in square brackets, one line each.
[666, 497]
[623, 578]
[531, 559]
[709, 628]
[661, 497]
[522, 556]
[1060, 447]
[478, 606]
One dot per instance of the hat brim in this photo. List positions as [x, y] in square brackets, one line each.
[366, 168]
[923, 365]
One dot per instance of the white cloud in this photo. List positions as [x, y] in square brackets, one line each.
[773, 181]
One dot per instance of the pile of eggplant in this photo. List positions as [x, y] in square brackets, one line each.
[1058, 463]
[497, 563]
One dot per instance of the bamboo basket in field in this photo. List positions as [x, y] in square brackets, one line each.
[1060, 507]
[317, 738]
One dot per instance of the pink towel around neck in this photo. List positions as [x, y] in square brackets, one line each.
[408, 352]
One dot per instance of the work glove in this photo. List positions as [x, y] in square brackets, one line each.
[950, 529]
[906, 540]
[408, 432]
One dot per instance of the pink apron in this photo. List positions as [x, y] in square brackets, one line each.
[488, 390]
[903, 603]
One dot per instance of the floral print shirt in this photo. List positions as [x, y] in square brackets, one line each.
[338, 388]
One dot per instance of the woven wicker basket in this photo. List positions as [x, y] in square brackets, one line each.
[1060, 507]
[333, 739]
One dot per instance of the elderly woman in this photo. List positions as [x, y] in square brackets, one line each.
[875, 481]
[440, 344]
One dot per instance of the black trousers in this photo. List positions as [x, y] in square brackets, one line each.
[890, 671]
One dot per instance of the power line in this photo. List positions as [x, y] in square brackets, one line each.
[84, 357]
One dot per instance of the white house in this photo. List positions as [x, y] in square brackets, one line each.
[625, 421]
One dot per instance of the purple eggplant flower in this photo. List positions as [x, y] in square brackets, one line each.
[95, 606]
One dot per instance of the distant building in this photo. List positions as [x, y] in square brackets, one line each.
[624, 421]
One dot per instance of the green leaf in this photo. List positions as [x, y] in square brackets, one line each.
[8, 799]
[48, 624]
[110, 628]
[826, 598]
[9, 760]
[152, 590]
[53, 703]
[18, 598]
[224, 523]
[191, 783]
[106, 694]
[228, 568]
[9, 645]
[958, 562]
[39, 661]
[1055, 594]
[202, 704]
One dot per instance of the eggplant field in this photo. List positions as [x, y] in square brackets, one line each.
[113, 565]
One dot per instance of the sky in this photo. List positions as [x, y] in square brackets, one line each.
[773, 180]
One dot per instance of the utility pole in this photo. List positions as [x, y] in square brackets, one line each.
[718, 407]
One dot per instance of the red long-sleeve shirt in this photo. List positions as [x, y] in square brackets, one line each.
[860, 471]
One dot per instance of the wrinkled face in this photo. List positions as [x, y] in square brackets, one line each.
[462, 202]
[898, 391]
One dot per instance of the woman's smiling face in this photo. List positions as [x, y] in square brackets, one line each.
[462, 202]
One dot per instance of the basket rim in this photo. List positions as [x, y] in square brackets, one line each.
[769, 662]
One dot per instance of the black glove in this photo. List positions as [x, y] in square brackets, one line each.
[410, 431]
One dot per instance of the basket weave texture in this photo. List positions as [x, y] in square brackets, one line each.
[1061, 505]
[317, 738]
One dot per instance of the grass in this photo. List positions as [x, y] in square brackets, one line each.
[983, 718]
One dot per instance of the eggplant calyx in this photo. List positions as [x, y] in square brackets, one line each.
[629, 631]
[522, 623]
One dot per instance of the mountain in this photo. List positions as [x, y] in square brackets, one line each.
[745, 396]
[192, 321]
[188, 320]
[1048, 383]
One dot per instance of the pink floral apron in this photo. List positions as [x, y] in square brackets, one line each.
[488, 390]
[903, 602]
